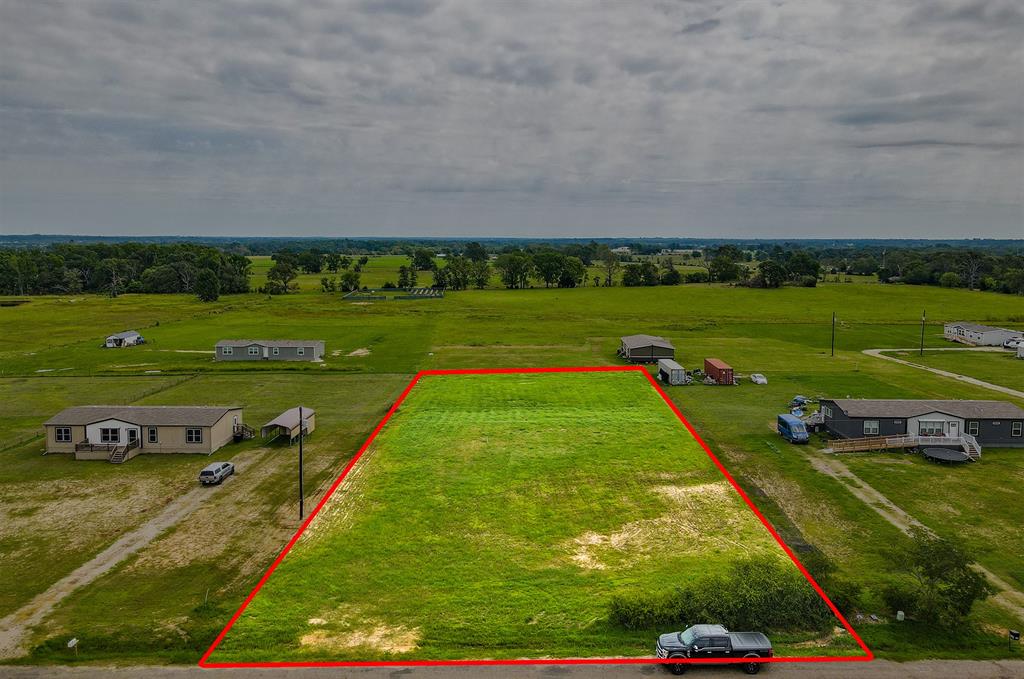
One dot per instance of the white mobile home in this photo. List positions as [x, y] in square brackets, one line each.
[979, 335]
[128, 338]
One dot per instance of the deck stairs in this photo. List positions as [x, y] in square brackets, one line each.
[119, 454]
[244, 432]
[965, 442]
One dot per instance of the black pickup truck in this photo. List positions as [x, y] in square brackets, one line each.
[714, 641]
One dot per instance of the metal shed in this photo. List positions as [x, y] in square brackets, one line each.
[645, 348]
[287, 424]
[128, 338]
[671, 372]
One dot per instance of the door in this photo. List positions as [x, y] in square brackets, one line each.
[265, 350]
[954, 429]
[133, 436]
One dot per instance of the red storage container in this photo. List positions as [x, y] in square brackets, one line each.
[718, 370]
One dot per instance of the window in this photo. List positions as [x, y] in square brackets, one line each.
[110, 435]
[277, 351]
[931, 428]
[870, 427]
[301, 351]
[227, 351]
[826, 410]
[1017, 428]
[254, 351]
[972, 427]
[62, 434]
[152, 435]
[193, 435]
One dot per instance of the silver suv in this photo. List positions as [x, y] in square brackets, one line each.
[216, 472]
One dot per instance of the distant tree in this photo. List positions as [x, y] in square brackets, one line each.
[403, 276]
[480, 273]
[207, 285]
[597, 281]
[515, 269]
[632, 276]
[458, 273]
[723, 269]
[423, 260]
[364, 260]
[950, 279]
[328, 284]
[572, 274]
[864, 266]
[772, 274]
[475, 252]
[670, 274]
[349, 281]
[345, 262]
[610, 264]
[548, 265]
[973, 264]
[281, 278]
[311, 261]
[333, 261]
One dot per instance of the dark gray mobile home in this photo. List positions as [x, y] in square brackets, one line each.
[269, 350]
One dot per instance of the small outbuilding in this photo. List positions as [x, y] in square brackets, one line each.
[128, 338]
[645, 348]
[671, 372]
[287, 424]
[718, 370]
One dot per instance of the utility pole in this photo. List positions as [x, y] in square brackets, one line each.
[923, 316]
[833, 334]
[302, 430]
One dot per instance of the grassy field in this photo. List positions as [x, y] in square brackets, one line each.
[495, 516]
[1002, 367]
[60, 513]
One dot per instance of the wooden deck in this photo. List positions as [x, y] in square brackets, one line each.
[966, 442]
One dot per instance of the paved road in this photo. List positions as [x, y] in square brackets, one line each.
[879, 669]
[878, 353]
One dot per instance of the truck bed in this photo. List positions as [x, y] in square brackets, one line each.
[749, 641]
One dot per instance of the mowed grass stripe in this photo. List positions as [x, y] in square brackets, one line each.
[493, 517]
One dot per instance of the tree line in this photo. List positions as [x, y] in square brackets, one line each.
[116, 268]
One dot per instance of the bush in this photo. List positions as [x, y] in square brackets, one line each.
[757, 593]
[808, 281]
[697, 277]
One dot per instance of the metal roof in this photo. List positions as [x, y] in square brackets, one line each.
[289, 419]
[977, 327]
[124, 335]
[886, 408]
[636, 341]
[199, 416]
[669, 363]
[268, 343]
[718, 363]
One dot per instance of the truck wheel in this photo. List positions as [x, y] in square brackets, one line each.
[752, 667]
[677, 669]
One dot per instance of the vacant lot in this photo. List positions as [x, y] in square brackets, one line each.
[494, 516]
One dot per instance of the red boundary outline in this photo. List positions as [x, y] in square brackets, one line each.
[204, 660]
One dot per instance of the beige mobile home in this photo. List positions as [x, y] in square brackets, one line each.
[119, 433]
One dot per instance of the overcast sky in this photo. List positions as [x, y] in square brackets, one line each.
[764, 118]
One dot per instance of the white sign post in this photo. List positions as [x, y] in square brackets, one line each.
[73, 643]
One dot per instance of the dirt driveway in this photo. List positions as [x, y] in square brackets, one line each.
[15, 627]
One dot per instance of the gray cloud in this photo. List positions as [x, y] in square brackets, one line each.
[705, 26]
[534, 118]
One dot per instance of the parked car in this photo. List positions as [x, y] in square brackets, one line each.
[215, 473]
[1013, 343]
[758, 378]
[714, 641]
[792, 428]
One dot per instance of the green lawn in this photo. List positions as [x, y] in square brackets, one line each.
[494, 516]
[1003, 367]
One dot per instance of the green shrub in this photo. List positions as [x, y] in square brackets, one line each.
[757, 593]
